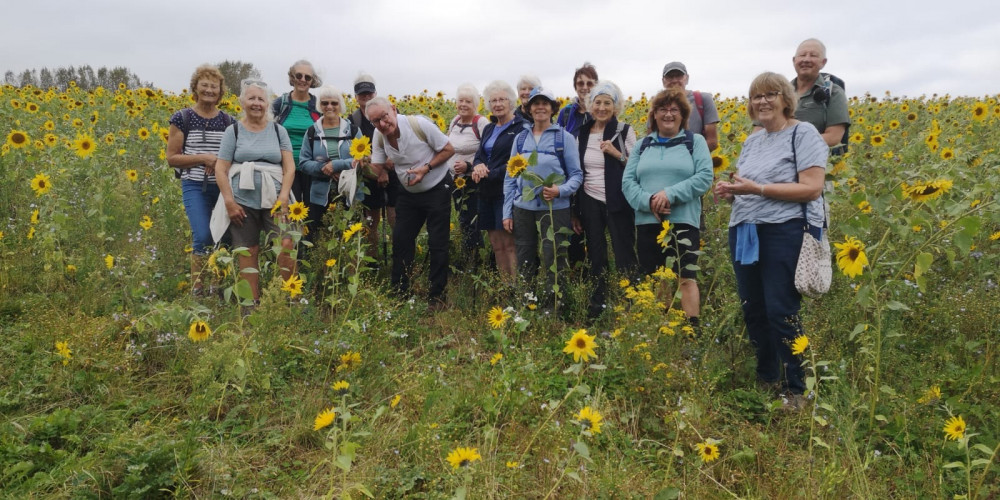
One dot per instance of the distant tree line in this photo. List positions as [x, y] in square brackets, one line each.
[88, 79]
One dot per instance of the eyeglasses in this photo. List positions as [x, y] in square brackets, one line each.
[588, 84]
[769, 97]
[329, 103]
[499, 100]
[381, 120]
[667, 111]
[303, 77]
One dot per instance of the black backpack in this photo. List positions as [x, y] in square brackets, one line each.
[829, 80]
[687, 140]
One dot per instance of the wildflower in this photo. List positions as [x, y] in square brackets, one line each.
[341, 387]
[463, 457]
[132, 175]
[581, 346]
[497, 317]
[298, 211]
[496, 359]
[351, 231]
[800, 344]
[851, 256]
[41, 184]
[512, 464]
[84, 145]
[109, 261]
[349, 361]
[395, 400]
[516, 165]
[865, 207]
[63, 350]
[331, 262]
[31, 233]
[590, 419]
[932, 395]
[18, 139]
[275, 208]
[708, 451]
[917, 228]
[34, 217]
[954, 428]
[664, 237]
[361, 147]
[928, 191]
[624, 283]
[665, 273]
[324, 419]
[293, 286]
[666, 330]
[146, 223]
[995, 236]
[70, 269]
[199, 331]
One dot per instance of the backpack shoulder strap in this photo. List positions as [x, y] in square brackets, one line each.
[475, 126]
[519, 141]
[236, 130]
[699, 102]
[186, 121]
[689, 141]
[417, 129]
[646, 142]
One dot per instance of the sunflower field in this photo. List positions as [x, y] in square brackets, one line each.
[120, 384]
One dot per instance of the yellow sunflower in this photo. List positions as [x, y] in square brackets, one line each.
[132, 175]
[109, 138]
[954, 428]
[51, 140]
[851, 256]
[18, 139]
[349, 361]
[931, 395]
[496, 359]
[947, 153]
[341, 387]
[800, 344]
[361, 147]
[143, 133]
[857, 138]
[979, 111]
[460, 183]
[928, 191]
[590, 419]
[293, 286]
[324, 419]
[49, 125]
[84, 145]
[664, 237]
[893, 125]
[708, 451]
[497, 317]
[878, 140]
[720, 163]
[516, 164]
[146, 223]
[199, 331]
[41, 184]
[581, 346]
[298, 211]
[64, 352]
[463, 457]
[351, 231]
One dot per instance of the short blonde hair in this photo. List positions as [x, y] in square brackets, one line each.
[770, 81]
[207, 71]
[329, 91]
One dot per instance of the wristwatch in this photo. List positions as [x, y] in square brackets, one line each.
[429, 166]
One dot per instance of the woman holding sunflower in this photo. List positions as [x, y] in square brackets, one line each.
[326, 154]
[465, 134]
[776, 198]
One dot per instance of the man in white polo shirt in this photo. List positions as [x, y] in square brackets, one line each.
[419, 151]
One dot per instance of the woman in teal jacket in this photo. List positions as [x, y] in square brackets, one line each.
[666, 175]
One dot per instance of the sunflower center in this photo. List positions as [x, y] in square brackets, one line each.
[928, 190]
[854, 254]
[581, 343]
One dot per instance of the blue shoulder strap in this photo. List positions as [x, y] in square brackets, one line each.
[560, 146]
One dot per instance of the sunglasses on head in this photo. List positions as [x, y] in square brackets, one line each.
[304, 77]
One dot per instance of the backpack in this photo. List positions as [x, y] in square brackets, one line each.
[687, 140]
[186, 121]
[311, 133]
[415, 125]
[560, 144]
[285, 103]
[699, 102]
[829, 80]
[475, 129]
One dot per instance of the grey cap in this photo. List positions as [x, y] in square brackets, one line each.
[675, 66]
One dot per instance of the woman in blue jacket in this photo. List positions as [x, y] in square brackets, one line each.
[666, 175]
[557, 154]
[325, 153]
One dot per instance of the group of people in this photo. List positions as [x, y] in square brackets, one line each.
[590, 174]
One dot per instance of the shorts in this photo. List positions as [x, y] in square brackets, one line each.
[257, 221]
[490, 214]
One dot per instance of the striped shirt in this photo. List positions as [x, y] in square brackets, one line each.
[203, 137]
[766, 158]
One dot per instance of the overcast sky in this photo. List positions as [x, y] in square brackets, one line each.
[908, 48]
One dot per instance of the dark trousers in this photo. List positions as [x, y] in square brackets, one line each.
[771, 302]
[314, 226]
[301, 186]
[530, 230]
[432, 207]
[467, 205]
[595, 218]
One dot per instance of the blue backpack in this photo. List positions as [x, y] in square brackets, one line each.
[559, 147]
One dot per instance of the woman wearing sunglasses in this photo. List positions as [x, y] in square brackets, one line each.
[296, 111]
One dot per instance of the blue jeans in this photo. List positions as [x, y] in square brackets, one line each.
[771, 302]
[198, 205]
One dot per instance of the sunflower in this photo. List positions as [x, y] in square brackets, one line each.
[947, 153]
[84, 145]
[708, 451]
[497, 317]
[460, 183]
[931, 395]
[395, 400]
[496, 359]
[349, 361]
[361, 147]
[41, 184]
[911, 117]
[143, 133]
[146, 223]
[590, 419]
[341, 387]
[931, 139]
[929, 191]
[893, 125]
[351, 231]
[213, 262]
[878, 140]
[800, 344]
[109, 261]
[324, 419]
[50, 140]
[132, 175]
[64, 352]
[865, 207]
[293, 286]
[979, 111]
[109, 138]
[49, 125]
[851, 256]
[77, 122]
[18, 139]
[516, 164]
[665, 273]
[331, 262]
[720, 163]
[581, 346]
[298, 211]
[995, 236]
[664, 237]
[463, 457]
[199, 331]
[857, 138]
[954, 428]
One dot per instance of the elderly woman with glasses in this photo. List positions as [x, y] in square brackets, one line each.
[776, 198]
[465, 135]
[666, 175]
[297, 111]
[255, 171]
[326, 154]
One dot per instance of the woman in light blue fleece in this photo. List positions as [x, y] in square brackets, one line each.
[557, 154]
[666, 175]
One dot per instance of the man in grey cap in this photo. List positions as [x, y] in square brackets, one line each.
[675, 75]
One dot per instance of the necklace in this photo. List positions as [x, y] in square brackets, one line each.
[770, 135]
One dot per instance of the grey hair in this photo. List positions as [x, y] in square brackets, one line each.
[316, 81]
[822, 47]
[378, 101]
[467, 90]
[608, 88]
[364, 77]
[530, 80]
[329, 91]
[251, 82]
[498, 86]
